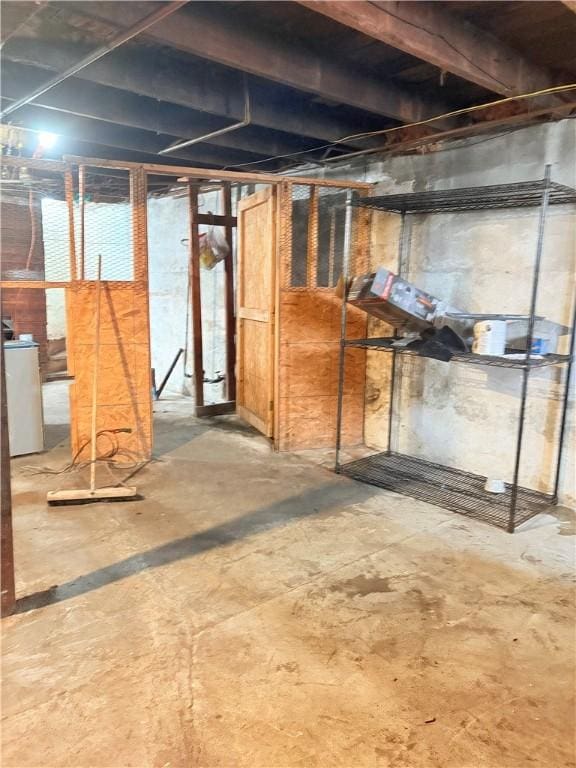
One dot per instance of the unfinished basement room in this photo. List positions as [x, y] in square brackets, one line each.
[288, 435]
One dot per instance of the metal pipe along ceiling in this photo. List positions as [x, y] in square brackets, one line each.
[220, 132]
[166, 9]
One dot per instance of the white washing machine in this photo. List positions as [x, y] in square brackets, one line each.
[24, 397]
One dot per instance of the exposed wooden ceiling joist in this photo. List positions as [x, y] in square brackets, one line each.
[87, 99]
[314, 71]
[432, 33]
[73, 127]
[16, 15]
[162, 78]
[198, 31]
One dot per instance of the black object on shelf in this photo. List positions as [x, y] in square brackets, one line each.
[445, 486]
[386, 344]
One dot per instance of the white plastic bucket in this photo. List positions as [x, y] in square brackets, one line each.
[489, 337]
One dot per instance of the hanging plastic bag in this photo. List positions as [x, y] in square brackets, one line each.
[213, 247]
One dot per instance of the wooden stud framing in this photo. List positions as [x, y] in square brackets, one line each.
[81, 200]
[69, 189]
[139, 223]
[308, 343]
[229, 295]
[214, 174]
[312, 255]
[33, 284]
[216, 219]
[196, 297]
[332, 248]
[300, 336]
[37, 164]
[283, 255]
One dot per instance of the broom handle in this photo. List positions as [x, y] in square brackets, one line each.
[95, 380]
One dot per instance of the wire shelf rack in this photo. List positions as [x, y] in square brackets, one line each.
[386, 344]
[453, 489]
[520, 195]
[446, 487]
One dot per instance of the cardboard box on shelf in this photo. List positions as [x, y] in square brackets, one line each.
[393, 299]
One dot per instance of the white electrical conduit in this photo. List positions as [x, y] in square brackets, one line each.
[122, 37]
[220, 132]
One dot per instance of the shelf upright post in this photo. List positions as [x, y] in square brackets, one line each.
[345, 270]
[526, 369]
[565, 397]
[400, 265]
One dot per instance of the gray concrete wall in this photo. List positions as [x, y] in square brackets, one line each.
[466, 416]
[170, 321]
[168, 281]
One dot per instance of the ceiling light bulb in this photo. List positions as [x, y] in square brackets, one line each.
[47, 140]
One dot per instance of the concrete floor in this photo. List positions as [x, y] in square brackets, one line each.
[256, 610]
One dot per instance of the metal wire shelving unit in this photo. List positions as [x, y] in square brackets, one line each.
[445, 486]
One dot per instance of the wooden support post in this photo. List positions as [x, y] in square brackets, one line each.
[69, 187]
[81, 196]
[332, 248]
[312, 260]
[7, 546]
[138, 199]
[217, 219]
[229, 296]
[195, 296]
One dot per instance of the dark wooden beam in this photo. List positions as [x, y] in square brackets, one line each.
[218, 220]
[434, 34]
[500, 116]
[16, 15]
[72, 127]
[195, 297]
[87, 99]
[198, 86]
[216, 409]
[202, 30]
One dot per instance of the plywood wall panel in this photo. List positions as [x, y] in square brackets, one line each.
[124, 397]
[309, 348]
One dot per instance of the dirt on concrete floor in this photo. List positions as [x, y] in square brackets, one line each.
[256, 610]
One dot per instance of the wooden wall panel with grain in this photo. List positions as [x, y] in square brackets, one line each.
[124, 395]
[308, 372]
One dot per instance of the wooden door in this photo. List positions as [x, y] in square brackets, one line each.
[256, 302]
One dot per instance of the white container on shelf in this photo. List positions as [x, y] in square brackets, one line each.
[489, 337]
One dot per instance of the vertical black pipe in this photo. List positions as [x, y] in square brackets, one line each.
[529, 337]
[393, 363]
[345, 268]
[565, 399]
[168, 373]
